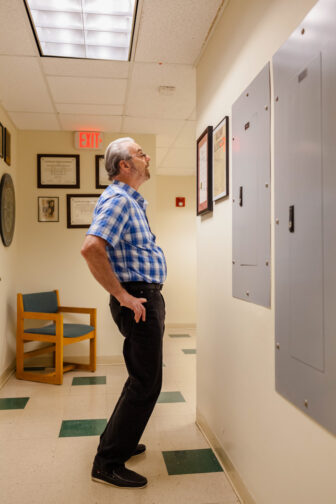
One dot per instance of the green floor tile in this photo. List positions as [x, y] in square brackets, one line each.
[179, 335]
[191, 461]
[189, 350]
[13, 403]
[89, 380]
[170, 397]
[76, 428]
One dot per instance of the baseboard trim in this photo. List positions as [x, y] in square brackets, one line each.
[231, 472]
[4, 377]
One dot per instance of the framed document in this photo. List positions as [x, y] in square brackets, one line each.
[48, 209]
[80, 209]
[7, 209]
[57, 170]
[7, 153]
[204, 172]
[102, 180]
[2, 143]
[220, 159]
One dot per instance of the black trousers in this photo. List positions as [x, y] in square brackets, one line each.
[143, 357]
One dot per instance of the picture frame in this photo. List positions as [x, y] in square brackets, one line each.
[7, 147]
[80, 209]
[220, 159]
[204, 171]
[48, 208]
[2, 141]
[102, 180]
[58, 171]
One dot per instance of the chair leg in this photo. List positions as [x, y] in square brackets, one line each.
[59, 363]
[93, 354]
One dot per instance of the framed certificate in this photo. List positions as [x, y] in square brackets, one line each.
[220, 159]
[57, 170]
[48, 209]
[102, 180]
[204, 172]
[80, 209]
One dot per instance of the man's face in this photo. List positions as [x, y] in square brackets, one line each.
[139, 162]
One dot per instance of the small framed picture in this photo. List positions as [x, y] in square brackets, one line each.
[220, 159]
[48, 209]
[204, 172]
[102, 180]
[80, 209]
[2, 141]
[7, 153]
[57, 170]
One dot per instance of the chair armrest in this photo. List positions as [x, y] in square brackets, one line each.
[73, 309]
[42, 316]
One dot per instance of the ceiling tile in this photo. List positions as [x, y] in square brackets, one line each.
[76, 108]
[30, 121]
[85, 68]
[22, 85]
[165, 140]
[144, 98]
[154, 126]
[184, 23]
[76, 122]
[88, 90]
[16, 35]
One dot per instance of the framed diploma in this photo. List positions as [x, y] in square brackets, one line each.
[48, 209]
[57, 170]
[220, 159]
[204, 172]
[80, 209]
[102, 180]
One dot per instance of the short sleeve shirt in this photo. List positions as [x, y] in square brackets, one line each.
[120, 219]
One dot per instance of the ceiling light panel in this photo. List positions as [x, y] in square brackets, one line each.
[95, 29]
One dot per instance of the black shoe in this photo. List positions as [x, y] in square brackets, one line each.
[139, 449]
[119, 476]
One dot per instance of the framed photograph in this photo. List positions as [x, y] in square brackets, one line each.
[102, 180]
[220, 159]
[2, 141]
[48, 209]
[204, 172]
[80, 209]
[7, 153]
[57, 170]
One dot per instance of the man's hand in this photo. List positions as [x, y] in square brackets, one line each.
[135, 304]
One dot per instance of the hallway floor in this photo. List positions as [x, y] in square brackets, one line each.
[49, 435]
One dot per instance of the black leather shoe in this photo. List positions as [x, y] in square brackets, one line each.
[139, 449]
[119, 476]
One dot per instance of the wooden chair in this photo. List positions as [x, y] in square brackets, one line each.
[46, 306]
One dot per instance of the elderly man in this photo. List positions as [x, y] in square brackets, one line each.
[123, 257]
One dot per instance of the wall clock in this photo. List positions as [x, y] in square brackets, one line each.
[7, 209]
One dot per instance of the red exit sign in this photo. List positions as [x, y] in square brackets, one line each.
[88, 139]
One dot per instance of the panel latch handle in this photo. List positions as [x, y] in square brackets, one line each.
[241, 196]
[291, 219]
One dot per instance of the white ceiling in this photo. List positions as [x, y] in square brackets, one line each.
[68, 94]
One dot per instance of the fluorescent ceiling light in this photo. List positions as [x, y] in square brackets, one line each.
[98, 29]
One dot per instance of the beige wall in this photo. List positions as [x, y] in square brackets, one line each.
[176, 233]
[8, 265]
[282, 456]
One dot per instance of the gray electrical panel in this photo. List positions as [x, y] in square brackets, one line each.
[305, 215]
[251, 192]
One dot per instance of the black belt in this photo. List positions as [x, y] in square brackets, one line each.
[142, 285]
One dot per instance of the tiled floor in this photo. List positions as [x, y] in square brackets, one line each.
[49, 435]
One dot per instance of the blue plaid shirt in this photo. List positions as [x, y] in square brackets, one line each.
[120, 219]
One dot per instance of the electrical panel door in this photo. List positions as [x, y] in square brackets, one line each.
[251, 218]
[305, 215]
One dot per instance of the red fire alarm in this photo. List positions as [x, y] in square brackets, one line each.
[180, 202]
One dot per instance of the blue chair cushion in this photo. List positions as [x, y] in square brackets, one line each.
[69, 330]
[45, 302]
